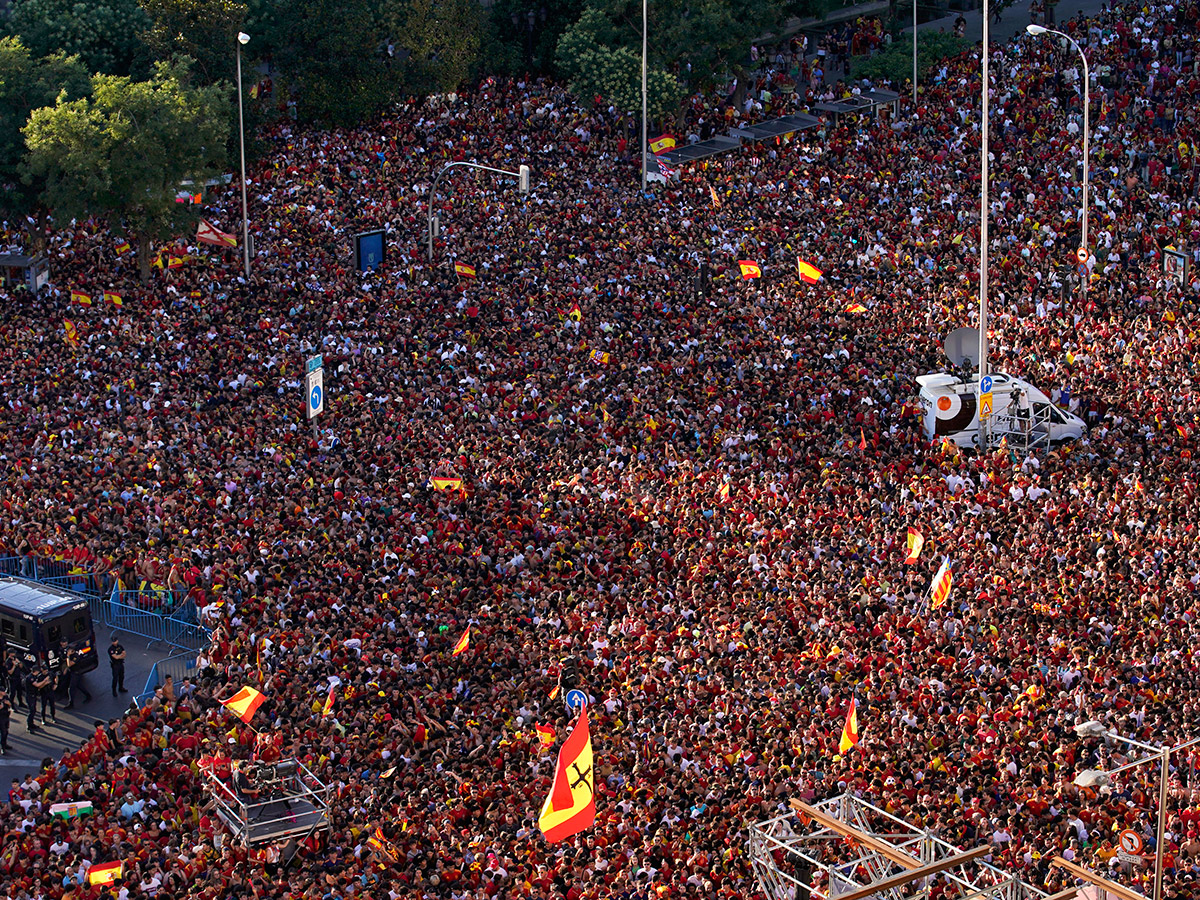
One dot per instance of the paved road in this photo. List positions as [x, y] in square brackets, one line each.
[1013, 22]
[76, 725]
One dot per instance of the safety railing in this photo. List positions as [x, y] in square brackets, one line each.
[179, 667]
[142, 613]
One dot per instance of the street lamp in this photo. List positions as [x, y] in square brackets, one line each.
[243, 39]
[1098, 778]
[1037, 31]
[522, 176]
[643, 96]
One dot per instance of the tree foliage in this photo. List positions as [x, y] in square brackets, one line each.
[27, 84]
[106, 34]
[894, 64]
[122, 152]
[597, 66]
[204, 30]
[442, 38]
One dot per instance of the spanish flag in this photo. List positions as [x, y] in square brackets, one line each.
[463, 642]
[83, 299]
[723, 491]
[123, 247]
[545, 734]
[329, 702]
[72, 334]
[571, 806]
[942, 582]
[850, 736]
[575, 313]
[465, 270]
[447, 484]
[862, 440]
[104, 874]
[245, 703]
[749, 269]
[856, 308]
[174, 262]
[662, 144]
[114, 299]
[716, 201]
[158, 262]
[915, 543]
[1183, 432]
[809, 273]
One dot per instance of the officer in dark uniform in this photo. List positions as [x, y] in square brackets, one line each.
[37, 682]
[116, 659]
[74, 661]
[5, 719]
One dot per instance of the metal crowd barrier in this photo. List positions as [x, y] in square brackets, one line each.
[179, 667]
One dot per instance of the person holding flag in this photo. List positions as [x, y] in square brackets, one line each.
[571, 806]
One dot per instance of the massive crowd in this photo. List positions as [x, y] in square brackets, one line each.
[721, 634]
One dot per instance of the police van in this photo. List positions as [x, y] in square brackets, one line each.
[35, 618]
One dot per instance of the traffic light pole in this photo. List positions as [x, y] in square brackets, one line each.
[522, 176]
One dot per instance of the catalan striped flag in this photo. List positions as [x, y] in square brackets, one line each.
[943, 581]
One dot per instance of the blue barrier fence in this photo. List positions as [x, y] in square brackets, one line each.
[179, 667]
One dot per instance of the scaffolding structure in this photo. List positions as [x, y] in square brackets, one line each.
[843, 848]
[290, 802]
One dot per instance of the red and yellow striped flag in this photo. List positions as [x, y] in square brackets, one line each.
[942, 582]
[104, 874]
[915, 543]
[850, 736]
[245, 703]
[463, 642]
[329, 702]
[809, 273]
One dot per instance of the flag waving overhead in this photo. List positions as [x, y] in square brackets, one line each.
[850, 735]
[106, 873]
[662, 144]
[466, 270]
[942, 583]
[809, 273]
[545, 734]
[328, 708]
[571, 806]
[208, 233]
[915, 543]
[245, 703]
[463, 642]
[749, 268]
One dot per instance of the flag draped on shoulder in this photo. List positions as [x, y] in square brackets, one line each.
[245, 703]
[571, 806]
[942, 582]
[850, 736]
[915, 543]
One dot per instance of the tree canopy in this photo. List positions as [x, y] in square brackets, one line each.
[204, 30]
[122, 152]
[105, 34]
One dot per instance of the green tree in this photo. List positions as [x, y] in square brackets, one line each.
[106, 34]
[442, 38]
[27, 84]
[595, 64]
[205, 30]
[122, 153]
[895, 63]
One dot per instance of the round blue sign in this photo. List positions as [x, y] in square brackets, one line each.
[314, 399]
[985, 384]
[575, 700]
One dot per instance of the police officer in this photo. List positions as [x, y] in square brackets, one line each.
[5, 719]
[35, 679]
[116, 659]
[45, 684]
[74, 676]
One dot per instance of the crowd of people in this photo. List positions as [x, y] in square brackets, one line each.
[698, 491]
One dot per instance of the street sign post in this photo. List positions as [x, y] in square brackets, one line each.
[985, 397]
[314, 395]
[575, 700]
[313, 363]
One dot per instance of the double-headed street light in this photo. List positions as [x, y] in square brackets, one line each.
[1097, 778]
[1037, 31]
[243, 39]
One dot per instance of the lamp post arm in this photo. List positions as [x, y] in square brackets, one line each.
[433, 191]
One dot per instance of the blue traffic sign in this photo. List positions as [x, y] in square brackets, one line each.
[314, 400]
[985, 384]
[575, 700]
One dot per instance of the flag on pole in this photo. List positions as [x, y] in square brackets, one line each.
[850, 736]
[158, 262]
[123, 247]
[464, 269]
[545, 734]
[104, 874]
[328, 709]
[915, 543]
[81, 297]
[114, 299]
[942, 582]
[554, 691]
[571, 806]
[463, 642]
[716, 201]
[749, 269]
[662, 144]
[809, 273]
[71, 810]
[208, 233]
[245, 703]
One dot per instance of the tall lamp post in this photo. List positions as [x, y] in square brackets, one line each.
[243, 39]
[1037, 31]
[1097, 778]
[643, 96]
[522, 176]
[983, 222]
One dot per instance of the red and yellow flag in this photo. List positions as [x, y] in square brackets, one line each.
[72, 334]
[174, 262]
[850, 736]
[465, 270]
[329, 702]
[723, 491]
[862, 439]
[123, 247]
[104, 874]
[447, 484]
[575, 313]
[245, 703]
[915, 543]
[114, 299]
[749, 269]
[571, 806]
[942, 582]
[662, 144]
[545, 734]
[809, 273]
[81, 297]
[463, 642]
[856, 308]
